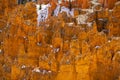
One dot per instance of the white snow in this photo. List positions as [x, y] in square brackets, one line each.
[95, 2]
[110, 10]
[56, 50]
[89, 24]
[59, 1]
[44, 71]
[70, 24]
[43, 12]
[39, 44]
[67, 10]
[49, 71]
[90, 11]
[23, 67]
[82, 19]
[97, 47]
[57, 10]
[37, 8]
[36, 70]
[60, 9]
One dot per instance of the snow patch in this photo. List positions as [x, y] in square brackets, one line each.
[42, 11]
[57, 10]
[97, 47]
[36, 70]
[82, 19]
[23, 66]
[67, 10]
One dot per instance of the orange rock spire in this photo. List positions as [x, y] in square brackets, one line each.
[108, 3]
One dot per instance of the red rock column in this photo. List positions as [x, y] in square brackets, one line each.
[111, 3]
[85, 4]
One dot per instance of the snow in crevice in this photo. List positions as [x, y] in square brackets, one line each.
[56, 50]
[41, 71]
[36, 70]
[23, 66]
[97, 47]
[95, 2]
[82, 18]
[57, 10]
[60, 9]
[67, 10]
[42, 12]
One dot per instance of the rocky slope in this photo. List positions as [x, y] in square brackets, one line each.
[59, 49]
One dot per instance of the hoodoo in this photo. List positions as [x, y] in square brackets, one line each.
[59, 40]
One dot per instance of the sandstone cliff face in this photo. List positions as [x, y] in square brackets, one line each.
[58, 50]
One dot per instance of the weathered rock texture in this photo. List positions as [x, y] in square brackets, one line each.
[58, 50]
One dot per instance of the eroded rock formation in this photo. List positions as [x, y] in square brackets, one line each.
[59, 49]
